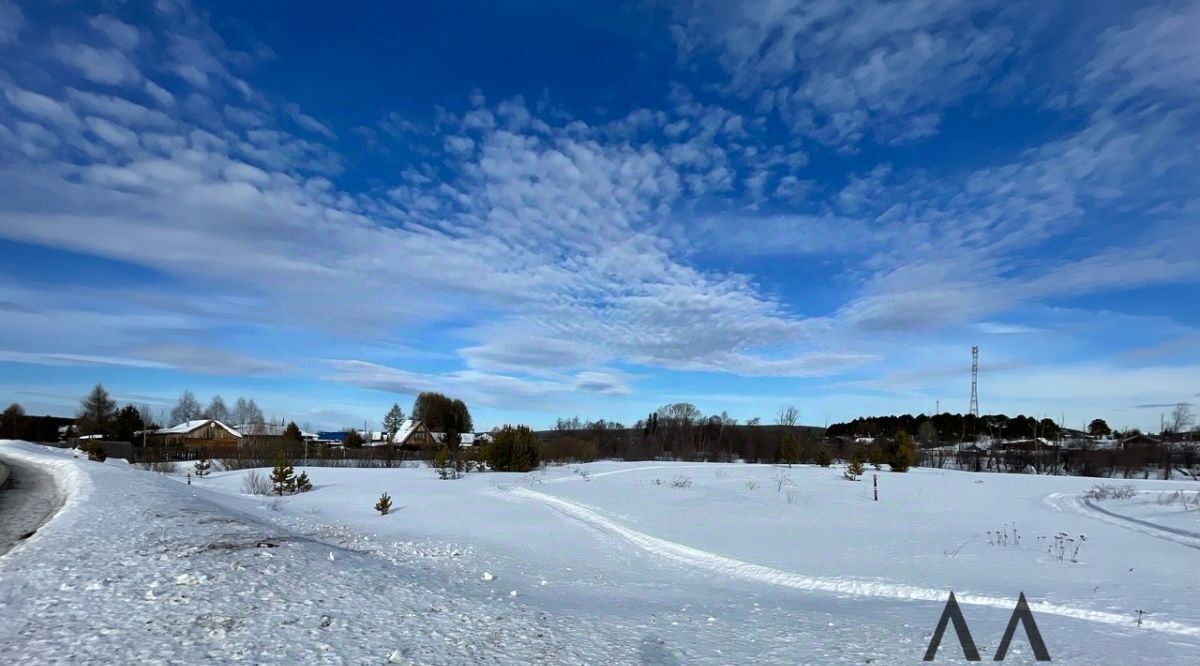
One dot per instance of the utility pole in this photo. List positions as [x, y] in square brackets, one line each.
[975, 382]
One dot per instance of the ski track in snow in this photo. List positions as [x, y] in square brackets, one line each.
[728, 566]
[1078, 503]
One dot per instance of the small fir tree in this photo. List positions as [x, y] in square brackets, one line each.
[904, 453]
[444, 465]
[283, 477]
[855, 468]
[303, 485]
[384, 504]
[824, 459]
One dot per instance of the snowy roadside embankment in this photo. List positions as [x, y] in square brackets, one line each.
[30, 496]
[138, 568]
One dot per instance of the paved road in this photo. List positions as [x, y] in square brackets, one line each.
[28, 501]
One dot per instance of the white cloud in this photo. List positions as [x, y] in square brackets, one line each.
[160, 94]
[104, 66]
[121, 34]
[836, 71]
[41, 107]
[12, 21]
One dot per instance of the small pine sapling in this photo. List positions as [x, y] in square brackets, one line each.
[384, 504]
[283, 478]
[855, 468]
[303, 485]
[824, 458]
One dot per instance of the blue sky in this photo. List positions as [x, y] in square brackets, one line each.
[596, 208]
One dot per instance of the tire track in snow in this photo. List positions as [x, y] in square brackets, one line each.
[1080, 504]
[728, 566]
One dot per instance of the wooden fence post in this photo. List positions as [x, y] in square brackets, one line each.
[875, 483]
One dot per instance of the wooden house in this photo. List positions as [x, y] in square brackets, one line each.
[196, 434]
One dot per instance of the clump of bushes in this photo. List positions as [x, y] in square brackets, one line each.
[1105, 491]
[681, 482]
[566, 448]
[514, 449]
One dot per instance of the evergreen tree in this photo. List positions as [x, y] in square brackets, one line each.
[127, 423]
[303, 485]
[96, 412]
[352, 439]
[443, 464]
[384, 504]
[824, 458]
[283, 478]
[514, 450]
[855, 468]
[903, 454]
[292, 433]
[393, 421]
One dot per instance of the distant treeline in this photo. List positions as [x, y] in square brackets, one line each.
[949, 427]
[16, 424]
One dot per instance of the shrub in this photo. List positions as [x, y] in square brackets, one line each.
[303, 485]
[384, 504]
[824, 459]
[203, 466]
[1105, 491]
[160, 467]
[255, 484]
[514, 450]
[904, 453]
[681, 482]
[95, 451]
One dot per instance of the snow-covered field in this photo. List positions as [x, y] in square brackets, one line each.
[600, 563]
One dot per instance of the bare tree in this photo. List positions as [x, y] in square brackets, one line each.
[1181, 418]
[217, 410]
[186, 409]
[788, 415]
